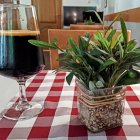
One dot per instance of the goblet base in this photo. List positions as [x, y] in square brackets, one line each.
[17, 111]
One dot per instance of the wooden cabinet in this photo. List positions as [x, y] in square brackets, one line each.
[49, 14]
[50, 17]
[6, 1]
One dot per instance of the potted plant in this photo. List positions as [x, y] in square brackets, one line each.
[89, 21]
[102, 68]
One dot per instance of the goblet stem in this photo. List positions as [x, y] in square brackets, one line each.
[22, 95]
[23, 102]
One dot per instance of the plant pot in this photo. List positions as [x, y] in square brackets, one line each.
[103, 111]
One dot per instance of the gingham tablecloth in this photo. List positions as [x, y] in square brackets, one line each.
[59, 119]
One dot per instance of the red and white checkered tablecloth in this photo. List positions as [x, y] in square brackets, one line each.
[59, 119]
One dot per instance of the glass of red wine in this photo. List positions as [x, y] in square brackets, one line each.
[18, 58]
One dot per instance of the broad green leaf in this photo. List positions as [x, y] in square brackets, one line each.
[112, 23]
[135, 51]
[136, 65]
[73, 45]
[87, 35]
[104, 45]
[78, 59]
[72, 54]
[100, 78]
[72, 64]
[90, 41]
[121, 50]
[132, 74]
[47, 45]
[97, 52]
[107, 63]
[124, 32]
[118, 76]
[99, 84]
[131, 77]
[133, 55]
[131, 45]
[118, 40]
[138, 49]
[69, 78]
[111, 34]
[54, 40]
[92, 86]
[95, 58]
[98, 35]
[42, 44]
[98, 16]
[83, 46]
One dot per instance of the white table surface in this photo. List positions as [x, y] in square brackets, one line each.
[8, 89]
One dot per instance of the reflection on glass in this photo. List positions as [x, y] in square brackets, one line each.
[19, 59]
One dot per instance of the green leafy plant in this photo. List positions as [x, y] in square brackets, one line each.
[89, 21]
[102, 63]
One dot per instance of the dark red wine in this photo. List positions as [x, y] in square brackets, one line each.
[18, 57]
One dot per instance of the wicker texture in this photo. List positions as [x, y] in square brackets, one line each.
[101, 112]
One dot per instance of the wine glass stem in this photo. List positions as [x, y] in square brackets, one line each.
[23, 102]
[22, 96]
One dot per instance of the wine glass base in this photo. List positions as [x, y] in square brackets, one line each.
[16, 112]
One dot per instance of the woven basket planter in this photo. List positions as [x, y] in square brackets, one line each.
[100, 112]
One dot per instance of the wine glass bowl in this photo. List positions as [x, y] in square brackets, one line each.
[18, 58]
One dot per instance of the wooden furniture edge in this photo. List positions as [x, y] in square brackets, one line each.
[53, 55]
[131, 15]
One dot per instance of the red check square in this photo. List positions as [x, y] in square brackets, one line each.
[4, 132]
[128, 88]
[75, 98]
[32, 88]
[75, 131]
[136, 111]
[53, 98]
[115, 132]
[132, 98]
[61, 74]
[74, 111]
[39, 132]
[47, 112]
[41, 74]
[37, 81]
[59, 80]
[56, 88]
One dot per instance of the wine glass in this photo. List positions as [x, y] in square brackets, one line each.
[18, 58]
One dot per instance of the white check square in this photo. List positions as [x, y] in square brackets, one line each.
[67, 93]
[133, 137]
[26, 123]
[67, 104]
[41, 94]
[46, 84]
[50, 77]
[136, 89]
[129, 120]
[72, 83]
[126, 104]
[97, 138]
[60, 120]
[58, 138]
